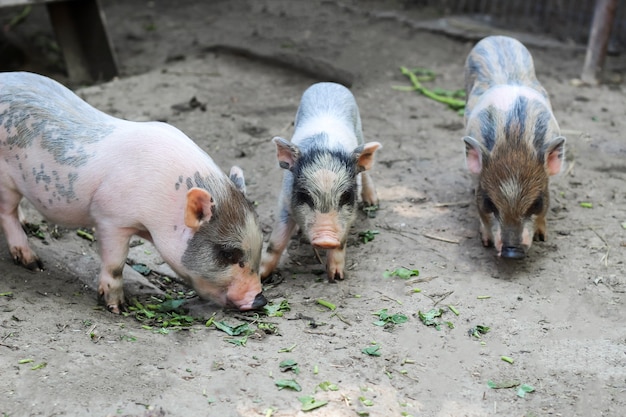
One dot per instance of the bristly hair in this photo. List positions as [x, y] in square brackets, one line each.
[339, 162]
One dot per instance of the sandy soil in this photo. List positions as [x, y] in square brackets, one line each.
[559, 313]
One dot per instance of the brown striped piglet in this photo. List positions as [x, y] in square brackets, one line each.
[81, 167]
[512, 144]
[325, 163]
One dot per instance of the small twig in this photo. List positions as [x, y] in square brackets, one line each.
[420, 279]
[317, 255]
[389, 298]
[453, 203]
[320, 333]
[442, 239]
[340, 317]
[605, 258]
[570, 168]
[12, 347]
[442, 297]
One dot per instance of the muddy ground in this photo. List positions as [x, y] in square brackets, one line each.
[559, 314]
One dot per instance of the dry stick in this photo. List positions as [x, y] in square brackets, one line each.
[605, 258]
[453, 203]
[570, 168]
[317, 255]
[443, 239]
[443, 297]
[396, 231]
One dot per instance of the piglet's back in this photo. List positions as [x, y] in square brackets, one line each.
[328, 107]
[499, 60]
[45, 100]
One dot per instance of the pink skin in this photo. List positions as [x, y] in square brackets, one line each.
[324, 232]
[122, 194]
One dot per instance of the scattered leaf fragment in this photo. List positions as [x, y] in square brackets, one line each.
[371, 211]
[483, 297]
[429, 317]
[85, 235]
[326, 304]
[401, 272]
[586, 204]
[143, 269]
[368, 235]
[328, 386]
[276, 309]
[524, 389]
[386, 318]
[289, 384]
[238, 342]
[287, 349]
[478, 330]
[289, 365]
[22, 361]
[366, 402]
[233, 330]
[39, 366]
[372, 350]
[507, 359]
[453, 309]
[310, 403]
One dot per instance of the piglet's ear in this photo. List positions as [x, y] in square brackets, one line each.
[236, 176]
[364, 155]
[554, 155]
[474, 154]
[287, 153]
[199, 208]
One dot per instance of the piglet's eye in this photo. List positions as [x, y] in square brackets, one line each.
[230, 255]
[347, 198]
[303, 197]
[537, 207]
[488, 206]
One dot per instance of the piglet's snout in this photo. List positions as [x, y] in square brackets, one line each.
[324, 232]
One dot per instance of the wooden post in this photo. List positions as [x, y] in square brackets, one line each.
[81, 31]
[603, 17]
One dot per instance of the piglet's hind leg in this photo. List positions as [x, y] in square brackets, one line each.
[21, 252]
[368, 190]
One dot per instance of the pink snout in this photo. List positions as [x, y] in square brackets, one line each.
[325, 230]
[325, 242]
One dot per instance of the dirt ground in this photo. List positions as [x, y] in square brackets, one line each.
[559, 314]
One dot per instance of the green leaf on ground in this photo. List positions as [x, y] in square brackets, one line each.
[310, 403]
[289, 384]
[372, 350]
[401, 272]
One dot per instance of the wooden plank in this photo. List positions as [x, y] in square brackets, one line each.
[80, 28]
[11, 3]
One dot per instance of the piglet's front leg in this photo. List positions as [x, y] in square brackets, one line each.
[283, 229]
[113, 251]
[540, 228]
[335, 263]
